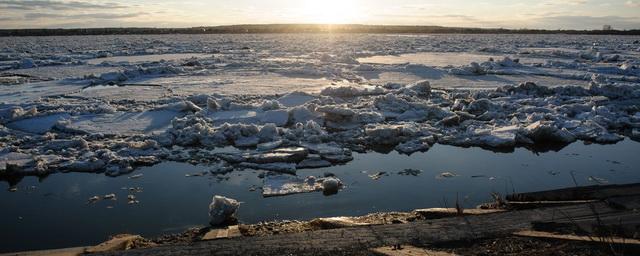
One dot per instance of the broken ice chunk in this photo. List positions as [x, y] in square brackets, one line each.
[269, 145]
[295, 99]
[313, 162]
[351, 91]
[247, 141]
[91, 165]
[27, 63]
[421, 88]
[635, 134]
[281, 185]
[222, 210]
[93, 199]
[39, 124]
[378, 175]
[12, 161]
[445, 175]
[412, 146]
[330, 186]
[546, 132]
[277, 117]
[410, 172]
[136, 176]
[597, 180]
[182, 106]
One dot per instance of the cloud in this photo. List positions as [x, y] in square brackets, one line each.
[546, 14]
[106, 16]
[632, 3]
[56, 5]
[587, 22]
[566, 2]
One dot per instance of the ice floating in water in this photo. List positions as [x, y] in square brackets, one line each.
[222, 210]
[446, 175]
[281, 185]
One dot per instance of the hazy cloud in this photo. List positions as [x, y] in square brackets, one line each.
[565, 2]
[84, 15]
[589, 22]
[547, 14]
[56, 5]
[632, 3]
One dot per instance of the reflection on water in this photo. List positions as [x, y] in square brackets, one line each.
[54, 212]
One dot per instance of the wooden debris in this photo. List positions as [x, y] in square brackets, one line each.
[578, 193]
[407, 250]
[56, 252]
[610, 240]
[229, 232]
[515, 205]
[336, 222]
[117, 243]
[438, 213]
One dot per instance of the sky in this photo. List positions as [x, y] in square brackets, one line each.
[540, 14]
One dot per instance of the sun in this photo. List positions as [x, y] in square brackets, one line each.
[331, 11]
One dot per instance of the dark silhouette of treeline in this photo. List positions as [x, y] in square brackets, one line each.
[302, 28]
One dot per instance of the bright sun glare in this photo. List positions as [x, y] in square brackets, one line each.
[331, 11]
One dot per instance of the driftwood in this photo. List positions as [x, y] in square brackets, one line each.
[515, 205]
[229, 232]
[608, 240]
[419, 233]
[407, 250]
[438, 213]
[56, 252]
[578, 193]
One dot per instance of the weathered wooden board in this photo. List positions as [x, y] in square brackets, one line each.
[578, 193]
[608, 240]
[57, 252]
[407, 250]
[437, 213]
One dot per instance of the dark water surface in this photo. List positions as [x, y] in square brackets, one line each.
[54, 213]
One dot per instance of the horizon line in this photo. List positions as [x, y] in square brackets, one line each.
[317, 24]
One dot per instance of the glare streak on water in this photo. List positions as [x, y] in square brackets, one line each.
[54, 212]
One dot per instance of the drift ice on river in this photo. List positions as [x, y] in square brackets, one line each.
[291, 108]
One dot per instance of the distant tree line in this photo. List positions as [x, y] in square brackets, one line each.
[302, 28]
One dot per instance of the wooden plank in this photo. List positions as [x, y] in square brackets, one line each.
[57, 252]
[336, 222]
[407, 250]
[361, 238]
[625, 223]
[437, 213]
[578, 193]
[609, 240]
[118, 243]
[515, 205]
[229, 232]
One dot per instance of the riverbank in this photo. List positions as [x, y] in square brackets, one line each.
[594, 220]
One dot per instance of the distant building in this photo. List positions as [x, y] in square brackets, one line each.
[607, 27]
